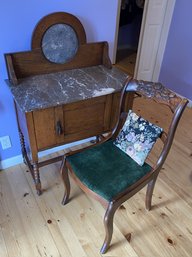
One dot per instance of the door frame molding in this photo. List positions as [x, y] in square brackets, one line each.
[162, 41]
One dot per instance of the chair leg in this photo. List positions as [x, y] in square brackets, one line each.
[149, 193]
[108, 223]
[65, 177]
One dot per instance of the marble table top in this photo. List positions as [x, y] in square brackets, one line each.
[54, 89]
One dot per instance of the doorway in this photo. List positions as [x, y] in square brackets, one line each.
[156, 20]
[131, 13]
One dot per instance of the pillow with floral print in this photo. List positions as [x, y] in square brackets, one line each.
[137, 137]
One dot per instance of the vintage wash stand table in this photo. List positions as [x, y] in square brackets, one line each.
[64, 89]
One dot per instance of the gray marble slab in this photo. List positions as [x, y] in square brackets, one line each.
[60, 43]
[54, 89]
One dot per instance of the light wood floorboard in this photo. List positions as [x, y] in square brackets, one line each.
[126, 60]
[32, 225]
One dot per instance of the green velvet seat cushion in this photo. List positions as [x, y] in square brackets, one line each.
[106, 170]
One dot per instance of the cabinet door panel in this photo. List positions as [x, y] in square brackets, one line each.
[49, 128]
[44, 121]
[87, 118]
[75, 121]
[59, 124]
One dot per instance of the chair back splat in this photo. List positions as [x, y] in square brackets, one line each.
[117, 167]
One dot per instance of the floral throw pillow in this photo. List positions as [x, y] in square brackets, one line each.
[137, 137]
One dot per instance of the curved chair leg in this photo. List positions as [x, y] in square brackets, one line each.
[65, 177]
[149, 193]
[108, 223]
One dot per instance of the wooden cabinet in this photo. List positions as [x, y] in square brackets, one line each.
[50, 127]
[65, 99]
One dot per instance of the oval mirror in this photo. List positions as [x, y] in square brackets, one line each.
[60, 43]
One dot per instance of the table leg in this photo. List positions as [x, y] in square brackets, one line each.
[37, 178]
[23, 149]
[34, 169]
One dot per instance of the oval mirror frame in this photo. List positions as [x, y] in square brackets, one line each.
[46, 26]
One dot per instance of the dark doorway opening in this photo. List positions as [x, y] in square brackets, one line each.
[128, 37]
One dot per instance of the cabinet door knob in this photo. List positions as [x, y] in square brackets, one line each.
[59, 129]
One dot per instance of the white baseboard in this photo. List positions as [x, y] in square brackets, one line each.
[4, 164]
[189, 104]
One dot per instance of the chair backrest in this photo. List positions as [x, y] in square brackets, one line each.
[160, 94]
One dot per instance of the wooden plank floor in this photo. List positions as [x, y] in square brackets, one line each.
[40, 226]
[125, 60]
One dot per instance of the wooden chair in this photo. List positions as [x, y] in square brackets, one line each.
[109, 175]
